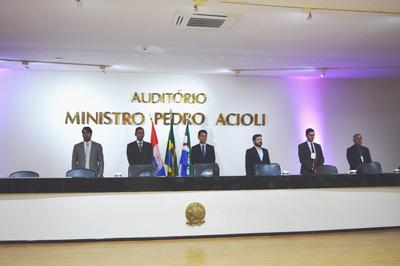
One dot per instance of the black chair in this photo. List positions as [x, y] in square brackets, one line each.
[136, 170]
[369, 168]
[326, 169]
[267, 169]
[206, 169]
[81, 172]
[24, 174]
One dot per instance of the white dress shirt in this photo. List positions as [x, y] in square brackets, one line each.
[140, 145]
[88, 147]
[203, 149]
[311, 146]
[260, 152]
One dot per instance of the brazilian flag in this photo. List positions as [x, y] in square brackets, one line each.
[170, 154]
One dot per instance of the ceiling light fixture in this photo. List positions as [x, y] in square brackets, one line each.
[307, 10]
[79, 3]
[323, 72]
[197, 4]
[315, 6]
[27, 63]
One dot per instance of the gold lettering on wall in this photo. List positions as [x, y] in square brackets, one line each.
[168, 97]
[73, 120]
[184, 118]
[235, 119]
[138, 118]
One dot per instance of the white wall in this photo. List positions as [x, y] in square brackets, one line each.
[33, 107]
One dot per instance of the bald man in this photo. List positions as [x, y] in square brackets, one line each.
[357, 153]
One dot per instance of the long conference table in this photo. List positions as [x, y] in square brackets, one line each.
[57, 209]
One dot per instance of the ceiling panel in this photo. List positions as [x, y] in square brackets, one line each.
[134, 36]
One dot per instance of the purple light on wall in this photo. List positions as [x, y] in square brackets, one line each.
[4, 70]
[306, 103]
[5, 91]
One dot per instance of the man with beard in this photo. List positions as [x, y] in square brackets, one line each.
[88, 154]
[256, 155]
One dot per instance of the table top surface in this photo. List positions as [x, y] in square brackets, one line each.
[143, 184]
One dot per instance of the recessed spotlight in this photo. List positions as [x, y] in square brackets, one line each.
[323, 73]
[25, 63]
[308, 11]
[236, 72]
[102, 68]
[150, 49]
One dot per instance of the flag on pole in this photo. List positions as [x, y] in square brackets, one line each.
[157, 161]
[170, 154]
[185, 168]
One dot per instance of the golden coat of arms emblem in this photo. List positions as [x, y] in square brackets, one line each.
[195, 214]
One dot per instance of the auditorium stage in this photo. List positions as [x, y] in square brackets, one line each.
[48, 209]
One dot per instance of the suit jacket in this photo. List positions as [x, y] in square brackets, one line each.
[305, 157]
[354, 154]
[135, 156]
[196, 156]
[252, 159]
[96, 161]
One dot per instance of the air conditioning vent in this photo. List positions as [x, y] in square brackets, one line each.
[205, 22]
[184, 20]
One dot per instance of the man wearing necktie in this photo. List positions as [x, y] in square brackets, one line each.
[202, 152]
[357, 153]
[310, 154]
[88, 154]
[256, 155]
[139, 151]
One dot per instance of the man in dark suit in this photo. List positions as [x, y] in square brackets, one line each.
[357, 153]
[139, 151]
[202, 152]
[310, 154]
[88, 154]
[256, 155]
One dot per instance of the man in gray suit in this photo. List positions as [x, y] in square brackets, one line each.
[88, 154]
